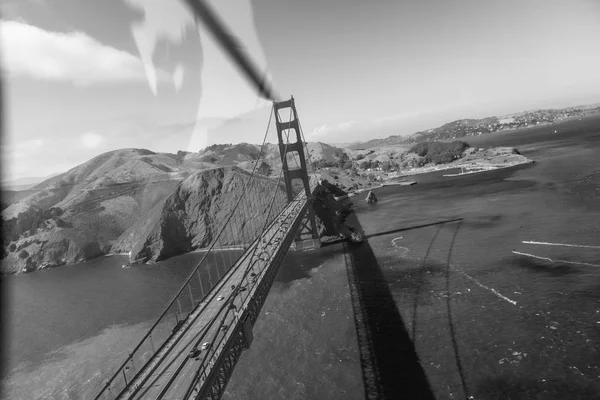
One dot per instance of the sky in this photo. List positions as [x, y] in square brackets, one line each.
[82, 77]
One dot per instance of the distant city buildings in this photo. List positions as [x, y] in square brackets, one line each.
[472, 127]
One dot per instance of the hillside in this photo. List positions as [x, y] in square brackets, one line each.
[192, 215]
[12, 196]
[121, 201]
[77, 215]
[473, 127]
[243, 155]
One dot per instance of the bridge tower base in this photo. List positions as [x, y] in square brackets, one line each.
[307, 237]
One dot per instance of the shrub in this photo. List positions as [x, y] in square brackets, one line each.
[325, 164]
[12, 247]
[420, 149]
[23, 254]
[265, 169]
[440, 152]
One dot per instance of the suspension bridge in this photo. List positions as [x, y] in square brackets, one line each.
[192, 348]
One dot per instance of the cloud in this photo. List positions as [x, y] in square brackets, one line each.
[91, 140]
[69, 57]
[320, 130]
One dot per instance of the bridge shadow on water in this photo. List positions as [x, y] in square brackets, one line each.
[390, 364]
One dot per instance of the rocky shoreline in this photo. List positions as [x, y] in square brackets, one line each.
[479, 159]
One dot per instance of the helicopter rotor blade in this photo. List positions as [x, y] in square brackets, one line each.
[232, 46]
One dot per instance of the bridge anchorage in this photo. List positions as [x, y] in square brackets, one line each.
[191, 350]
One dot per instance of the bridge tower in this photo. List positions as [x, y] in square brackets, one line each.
[307, 237]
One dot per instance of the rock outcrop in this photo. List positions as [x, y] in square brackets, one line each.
[191, 217]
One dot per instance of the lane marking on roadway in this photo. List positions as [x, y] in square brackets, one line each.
[498, 294]
[555, 261]
[562, 244]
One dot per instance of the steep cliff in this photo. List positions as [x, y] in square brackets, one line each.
[192, 215]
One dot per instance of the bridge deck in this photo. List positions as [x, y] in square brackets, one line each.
[170, 374]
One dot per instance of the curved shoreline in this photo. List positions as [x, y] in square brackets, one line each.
[471, 164]
[485, 167]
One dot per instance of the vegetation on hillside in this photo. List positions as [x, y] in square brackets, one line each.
[440, 152]
[218, 147]
[390, 159]
[37, 219]
[265, 169]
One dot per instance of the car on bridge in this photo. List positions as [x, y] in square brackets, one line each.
[195, 353]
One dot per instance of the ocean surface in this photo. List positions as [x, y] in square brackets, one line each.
[520, 327]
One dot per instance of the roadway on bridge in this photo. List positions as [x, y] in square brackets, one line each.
[172, 373]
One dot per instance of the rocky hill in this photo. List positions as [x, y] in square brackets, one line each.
[473, 127]
[76, 215]
[155, 205]
[191, 216]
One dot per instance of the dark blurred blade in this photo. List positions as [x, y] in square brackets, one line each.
[229, 43]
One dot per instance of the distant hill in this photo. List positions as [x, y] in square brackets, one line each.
[385, 142]
[324, 152]
[474, 127]
[124, 200]
[24, 183]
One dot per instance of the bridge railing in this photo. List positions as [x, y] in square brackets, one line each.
[251, 212]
